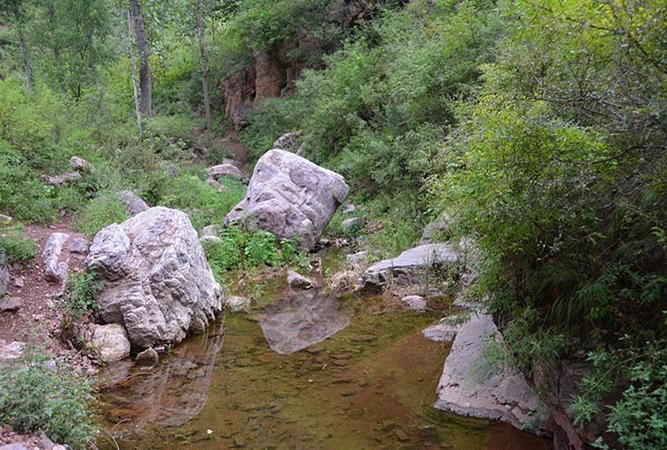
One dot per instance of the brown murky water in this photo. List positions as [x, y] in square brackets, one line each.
[369, 386]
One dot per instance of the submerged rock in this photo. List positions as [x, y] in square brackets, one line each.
[237, 304]
[155, 277]
[110, 342]
[54, 269]
[409, 267]
[148, 357]
[471, 386]
[291, 197]
[296, 322]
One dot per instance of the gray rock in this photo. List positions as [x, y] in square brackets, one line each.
[237, 304]
[215, 184]
[155, 277]
[110, 342]
[352, 224]
[133, 203]
[80, 164]
[302, 319]
[5, 220]
[226, 170]
[148, 357]
[409, 266]
[290, 197]
[12, 350]
[15, 446]
[209, 230]
[208, 240]
[446, 329]
[79, 246]
[471, 386]
[4, 273]
[414, 303]
[62, 179]
[54, 269]
[10, 304]
[349, 209]
[290, 142]
[438, 228]
[357, 259]
[298, 281]
[19, 282]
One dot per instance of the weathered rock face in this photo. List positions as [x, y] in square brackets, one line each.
[290, 197]
[54, 269]
[4, 273]
[156, 280]
[470, 386]
[409, 266]
[111, 342]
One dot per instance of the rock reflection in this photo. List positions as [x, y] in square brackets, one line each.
[169, 394]
[302, 319]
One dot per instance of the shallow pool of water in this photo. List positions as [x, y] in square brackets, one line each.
[369, 386]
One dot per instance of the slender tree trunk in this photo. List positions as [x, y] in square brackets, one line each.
[145, 81]
[26, 61]
[204, 64]
[135, 90]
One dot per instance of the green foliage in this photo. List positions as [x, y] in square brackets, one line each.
[80, 294]
[100, 212]
[34, 396]
[17, 246]
[204, 204]
[242, 249]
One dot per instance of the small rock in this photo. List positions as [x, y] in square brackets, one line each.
[414, 303]
[80, 164]
[401, 435]
[11, 304]
[225, 170]
[59, 447]
[290, 141]
[352, 224]
[216, 184]
[237, 304]
[133, 203]
[209, 230]
[298, 281]
[207, 240]
[4, 273]
[63, 179]
[19, 282]
[349, 209]
[357, 259]
[111, 342]
[79, 245]
[11, 351]
[54, 269]
[148, 357]
[5, 220]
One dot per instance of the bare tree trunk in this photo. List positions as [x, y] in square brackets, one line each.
[135, 90]
[145, 80]
[204, 64]
[26, 61]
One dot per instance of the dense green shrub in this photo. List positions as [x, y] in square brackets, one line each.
[242, 249]
[17, 246]
[35, 396]
[80, 294]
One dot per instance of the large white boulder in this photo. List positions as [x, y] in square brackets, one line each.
[470, 385]
[155, 277]
[291, 197]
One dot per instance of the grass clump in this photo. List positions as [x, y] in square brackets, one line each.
[34, 396]
[81, 294]
[204, 204]
[16, 245]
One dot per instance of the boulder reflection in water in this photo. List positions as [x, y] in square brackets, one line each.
[168, 394]
[302, 319]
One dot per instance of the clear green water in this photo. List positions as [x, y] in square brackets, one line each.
[370, 386]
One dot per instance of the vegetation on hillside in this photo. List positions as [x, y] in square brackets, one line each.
[538, 126]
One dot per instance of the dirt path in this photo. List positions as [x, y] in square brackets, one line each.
[38, 319]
